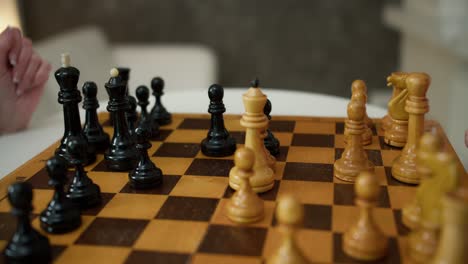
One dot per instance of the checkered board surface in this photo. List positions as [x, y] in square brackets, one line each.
[183, 220]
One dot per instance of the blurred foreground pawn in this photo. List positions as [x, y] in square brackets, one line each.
[82, 191]
[354, 158]
[404, 166]
[159, 113]
[69, 96]
[359, 93]
[255, 122]
[270, 141]
[218, 142]
[453, 243]
[27, 245]
[245, 206]
[121, 155]
[423, 240]
[97, 138]
[146, 175]
[399, 85]
[130, 114]
[428, 147]
[142, 93]
[61, 214]
[290, 214]
[397, 133]
[364, 240]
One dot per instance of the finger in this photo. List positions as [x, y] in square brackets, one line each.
[10, 45]
[23, 61]
[15, 49]
[26, 82]
[42, 74]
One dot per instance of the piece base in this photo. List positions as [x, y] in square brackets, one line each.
[87, 197]
[218, 148]
[145, 180]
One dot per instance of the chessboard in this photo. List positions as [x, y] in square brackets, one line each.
[183, 220]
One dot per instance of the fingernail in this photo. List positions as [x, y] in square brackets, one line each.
[13, 59]
[19, 92]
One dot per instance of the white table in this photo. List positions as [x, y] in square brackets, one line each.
[18, 148]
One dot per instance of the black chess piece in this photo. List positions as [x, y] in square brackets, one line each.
[270, 141]
[159, 113]
[218, 142]
[142, 93]
[121, 155]
[130, 114]
[146, 174]
[97, 138]
[82, 191]
[69, 96]
[27, 245]
[61, 215]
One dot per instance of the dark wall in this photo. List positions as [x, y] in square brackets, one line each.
[313, 45]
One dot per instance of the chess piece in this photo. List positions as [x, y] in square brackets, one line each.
[142, 93]
[359, 92]
[255, 122]
[82, 191]
[27, 245]
[159, 113]
[398, 85]
[270, 141]
[146, 175]
[354, 158]
[130, 114]
[428, 147]
[289, 214]
[245, 206]
[97, 138]
[69, 96]
[424, 239]
[218, 142]
[61, 214]
[121, 155]
[364, 240]
[397, 134]
[453, 243]
[404, 166]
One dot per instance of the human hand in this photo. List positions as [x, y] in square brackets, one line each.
[23, 74]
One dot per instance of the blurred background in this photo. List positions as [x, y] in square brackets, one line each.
[317, 46]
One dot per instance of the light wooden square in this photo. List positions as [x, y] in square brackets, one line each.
[133, 206]
[68, 238]
[308, 192]
[201, 258]
[92, 254]
[310, 127]
[400, 196]
[311, 155]
[201, 186]
[187, 136]
[172, 166]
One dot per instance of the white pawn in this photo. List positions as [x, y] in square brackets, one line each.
[244, 206]
[289, 214]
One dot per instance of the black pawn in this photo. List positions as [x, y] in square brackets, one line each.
[82, 191]
[159, 113]
[97, 138]
[142, 93]
[270, 141]
[27, 245]
[218, 142]
[146, 175]
[61, 215]
[121, 155]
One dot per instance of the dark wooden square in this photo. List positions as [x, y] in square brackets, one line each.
[269, 195]
[112, 232]
[102, 166]
[187, 208]
[401, 228]
[283, 153]
[343, 194]
[195, 123]
[235, 240]
[210, 167]
[7, 226]
[169, 181]
[393, 254]
[281, 125]
[308, 172]
[105, 198]
[40, 180]
[339, 128]
[178, 150]
[57, 251]
[147, 257]
[239, 136]
[313, 140]
[163, 134]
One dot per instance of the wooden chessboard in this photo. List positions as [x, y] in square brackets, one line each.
[183, 221]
